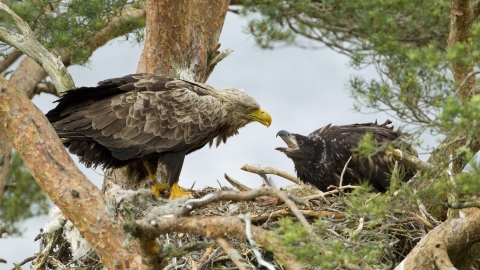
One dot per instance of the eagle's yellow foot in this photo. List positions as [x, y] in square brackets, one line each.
[157, 187]
[178, 192]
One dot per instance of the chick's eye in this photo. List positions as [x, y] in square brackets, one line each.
[300, 142]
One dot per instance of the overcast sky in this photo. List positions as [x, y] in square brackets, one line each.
[303, 90]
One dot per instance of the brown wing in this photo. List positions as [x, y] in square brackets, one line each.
[147, 114]
[340, 140]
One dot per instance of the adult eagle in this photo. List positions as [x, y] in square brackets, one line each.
[320, 157]
[141, 120]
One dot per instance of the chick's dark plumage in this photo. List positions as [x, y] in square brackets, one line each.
[320, 157]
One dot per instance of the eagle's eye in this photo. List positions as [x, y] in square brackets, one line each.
[300, 142]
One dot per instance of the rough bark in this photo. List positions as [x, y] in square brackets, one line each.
[31, 135]
[461, 20]
[181, 37]
[5, 155]
[453, 244]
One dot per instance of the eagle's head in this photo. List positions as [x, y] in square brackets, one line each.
[241, 109]
[299, 148]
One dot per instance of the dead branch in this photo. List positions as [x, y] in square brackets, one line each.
[43, 256]
[29, 132]
[213, 227]
[460, 205]
[343, 171]
[207, 257]
[307, 213]
[9, 60]
[236, 184]
[28, 44]
[253, 244]
[29, 73]
[29, 259]
[410, 160]
[323, 194]
[271, 170]
[232, 253]
[243, 196]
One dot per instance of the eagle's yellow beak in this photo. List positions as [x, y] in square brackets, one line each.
[261, 116]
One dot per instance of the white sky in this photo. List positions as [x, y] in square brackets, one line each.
[302, 89]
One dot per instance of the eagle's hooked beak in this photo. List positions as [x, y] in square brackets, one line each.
[289, 139]
[261, 116]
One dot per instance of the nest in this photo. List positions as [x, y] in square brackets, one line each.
[329, 215]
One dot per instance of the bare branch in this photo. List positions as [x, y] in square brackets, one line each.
[323, 194]
[271, 170]
[253, 244]
[213, 227]
[410, 160]
[343, 171]
[9, 60]
[30, 46]
[236, 184]
[232, 253]
[243, 196]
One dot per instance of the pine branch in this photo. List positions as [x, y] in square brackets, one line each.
[28, 44]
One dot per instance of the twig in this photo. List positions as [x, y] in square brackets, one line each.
[268, 181]
[57, 263]
[465, 81]
[42, 257]
[9, 60]
[323, 194]
[360, 226]
[410, 160]
[29, 259]
[424, 211]
[253, 244]
[207, 257]
[232, 253]
[236, 184]
[271, 170]
[232, 195]
[308, 213]
[343, 171]
[459, 205]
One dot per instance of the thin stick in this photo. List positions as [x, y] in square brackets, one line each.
[343, 172]
[323, 194]
[253, 244]
[236, 184]
[271, 170]
[232, 253]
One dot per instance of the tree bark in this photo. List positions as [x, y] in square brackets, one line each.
[32, 136]
[181, 37]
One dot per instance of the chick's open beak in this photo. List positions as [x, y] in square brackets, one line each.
[289, 139]
[261, 116]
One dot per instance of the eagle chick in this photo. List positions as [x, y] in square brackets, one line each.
[320, 157]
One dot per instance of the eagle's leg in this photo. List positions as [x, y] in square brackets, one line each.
[178, 192]
[156, 187]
